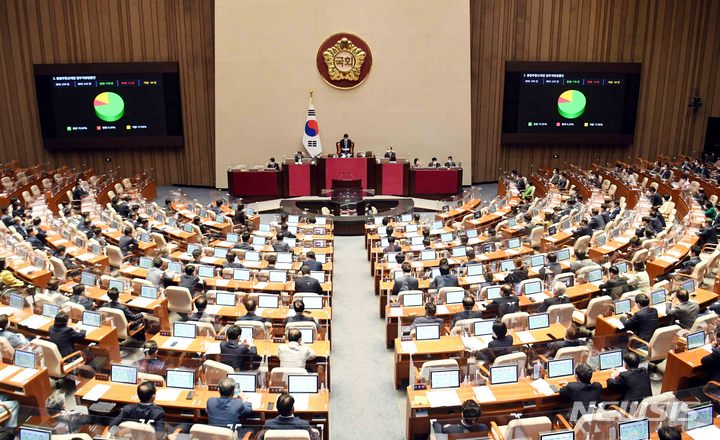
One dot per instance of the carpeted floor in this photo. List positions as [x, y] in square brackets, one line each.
[364, 403]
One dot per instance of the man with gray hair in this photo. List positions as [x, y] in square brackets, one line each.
[558, 297]
[65, 422]
[226, 411]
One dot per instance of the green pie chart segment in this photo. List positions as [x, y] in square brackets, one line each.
[571, 104]
[109, 106]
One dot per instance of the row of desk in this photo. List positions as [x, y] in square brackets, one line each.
[306, 179]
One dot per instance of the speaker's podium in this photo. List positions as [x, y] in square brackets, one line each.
[347, 169]
[300, 178]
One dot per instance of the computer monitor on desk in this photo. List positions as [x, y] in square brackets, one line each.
[504, 374]
[303, 383]
[558, 435]
[610, 359]
[176, 378]
[427, 332]
[440, 379]
[27, 433]
[634, 430]
[123, 374]
[245, 382]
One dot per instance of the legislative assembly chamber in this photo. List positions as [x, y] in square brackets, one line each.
[376, 220]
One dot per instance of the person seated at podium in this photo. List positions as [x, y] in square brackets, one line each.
[346, 147]
[434, 163]
[450, 162]
[272, 165]
[299, 316]
[445, 279]
[392, 246]
[390, 155]
[633, 384]
[469, 422]
[429, 318]
[298, 157]
[311, 262]
[286, 419]
[711, 362]
[306, 283]
[235, 353]
[407, 282]
[416, 163]
[146, 410]
[225, 410]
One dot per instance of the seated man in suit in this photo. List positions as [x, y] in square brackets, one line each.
[407, 282]
[634, 383]
[199, 314]
[390, 155]
[294, 353]
[445, 279]
[226, 411]
[392, 246]
[581, 260]
[558, 297]
[63, 336]
[573, 338]
[150, 362]
[615, 284]
[450, 162]
[306, 283]
[501, 343]
[133, 319]
[520, 273]
[429, 318]
[285, 419]
[144, 412]
[189, 280]
[687, 266]
[285, 232]
[597, 221]
[237, 354]
[645, 321]
[300, 316]
[707, 235]
[434, 163]
[298, 157]
[711, 362]
[583, 391]
[469, 423]
[127, 242]
[251, 305]
[583, 230]
[244, 243]
[272, 165]
[345, 146]
[16, 339]
[231, 261]
[683, 310]
[508, 302]
[551, 267]
[78, 297]
[311, 262]
[280, 246]
[468, 312]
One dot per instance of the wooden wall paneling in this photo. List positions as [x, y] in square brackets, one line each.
[677, 42]
[69, 31]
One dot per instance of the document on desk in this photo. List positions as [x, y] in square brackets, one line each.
[104, 298]
[707, 347]
[212, 348]
[302, 401]
[442, 310]
[474, 343]
[661, 309]
[35, 321]
[7, 310]
[7, 371]
[613, 321]
[484, 394]
[86, 256]
[542, 387]
[525, 337]
[668, 259]
[260, 285]
[213, 309]
[23, 376]
[222, 282]
[168, 394]
[177, 343]
[255, 400]
[96, 392]
[396, 312]
[141, 302]
[408, 347]
[443, 398]
[704, 433]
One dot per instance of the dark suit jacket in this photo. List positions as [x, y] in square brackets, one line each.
[281, 246]
[441, 281]
[405, 283]
[466, 314]
[280, 422]
[656, 200]
[300, 318]
[225, 411]
[516, 276]
[458, 428]
[142, 412]
[597, 222]
[189, 281]
[633, 385]
[552, 301]
[643, 323]
[237, 355]
[130, 316]
[707, 236]
[308, 284]
[711, 364]
[65, 339]
[501, 346]
[251, 316]
[582, 231]
[582, 393]
[506, 304]
[313, 264]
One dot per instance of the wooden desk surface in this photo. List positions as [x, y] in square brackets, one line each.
[201, 344]
[126, 393]
[24, 271]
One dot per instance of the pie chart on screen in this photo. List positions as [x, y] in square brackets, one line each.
[109, 106]
[571, 104]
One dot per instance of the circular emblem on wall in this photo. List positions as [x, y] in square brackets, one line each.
[344, 60]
